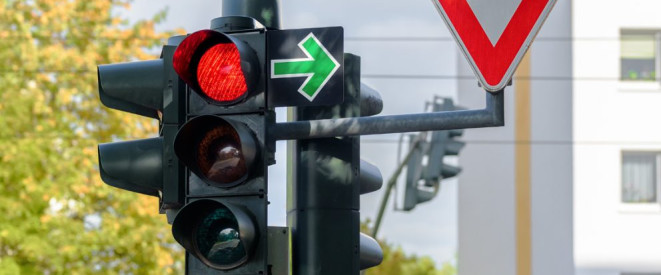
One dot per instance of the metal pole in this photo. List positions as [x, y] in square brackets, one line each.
[266, 12]
[391, 183]
[492, 115]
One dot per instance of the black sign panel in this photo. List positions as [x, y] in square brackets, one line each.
[305, 67]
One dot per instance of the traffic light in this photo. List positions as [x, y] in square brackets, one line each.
[414, 192]
[146, 166]
[222, 144]
[328, 178]
[423, 182]
[443, 143]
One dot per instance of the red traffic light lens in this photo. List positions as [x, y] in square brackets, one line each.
[210, 62]
[219, 73]
[219, 156]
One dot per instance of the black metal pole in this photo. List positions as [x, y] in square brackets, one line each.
[266, 12]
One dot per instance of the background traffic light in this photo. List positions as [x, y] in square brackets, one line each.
[223, 225]
[443, 143]
[423, 181]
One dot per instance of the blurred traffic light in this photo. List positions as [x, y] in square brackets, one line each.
[423, 182]
[443, 143]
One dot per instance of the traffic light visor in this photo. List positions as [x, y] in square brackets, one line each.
[134, 87]
[217, 150]
[134, 165]
[217, 66]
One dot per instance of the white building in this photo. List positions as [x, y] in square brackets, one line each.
[578, 164]
[617, 210]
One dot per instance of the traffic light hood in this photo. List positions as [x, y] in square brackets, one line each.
[134, 87]
[133, 165]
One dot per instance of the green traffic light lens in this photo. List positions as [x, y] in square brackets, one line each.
[218, 239]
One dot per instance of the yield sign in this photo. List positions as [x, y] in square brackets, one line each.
[494, 34]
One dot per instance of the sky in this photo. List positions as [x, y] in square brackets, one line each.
[378, 33]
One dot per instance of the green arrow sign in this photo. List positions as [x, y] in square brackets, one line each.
[318, 67]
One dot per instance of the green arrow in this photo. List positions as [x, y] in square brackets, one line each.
[318, 67]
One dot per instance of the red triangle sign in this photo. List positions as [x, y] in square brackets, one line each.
[493, 45]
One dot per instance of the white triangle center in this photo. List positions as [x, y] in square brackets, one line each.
[494, 15]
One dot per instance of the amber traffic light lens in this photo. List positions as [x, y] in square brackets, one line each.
[219, 151]
[219, 156]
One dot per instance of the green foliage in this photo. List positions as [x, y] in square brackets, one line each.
[56, 215]
[396, 262]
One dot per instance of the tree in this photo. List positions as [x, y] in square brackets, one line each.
[57, 216]
[396, 262]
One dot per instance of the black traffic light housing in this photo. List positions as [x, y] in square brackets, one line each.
[328, 179]
[223, 147]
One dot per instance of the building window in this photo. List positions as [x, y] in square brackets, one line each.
[639, 55]
[640, 177]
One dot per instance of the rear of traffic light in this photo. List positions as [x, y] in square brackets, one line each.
[146, 166]
[329, 178]
[222, 144]
[423, 182]
[135, 87]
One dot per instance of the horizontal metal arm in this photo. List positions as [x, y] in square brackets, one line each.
[492, 115]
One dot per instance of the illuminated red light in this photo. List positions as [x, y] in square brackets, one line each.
[219, 73]
[210, 63]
